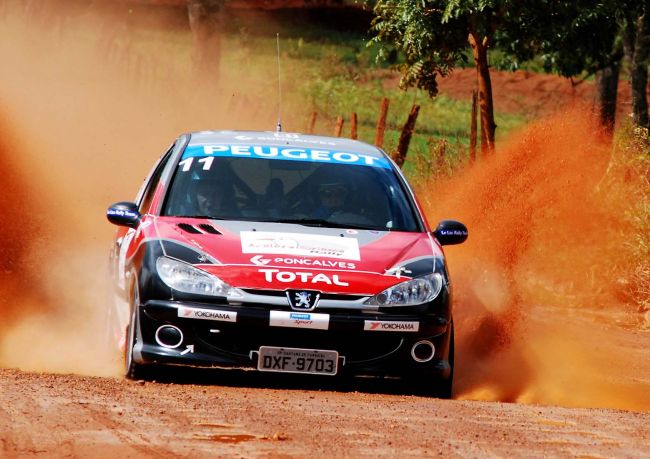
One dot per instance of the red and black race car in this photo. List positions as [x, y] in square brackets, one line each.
[284, 253]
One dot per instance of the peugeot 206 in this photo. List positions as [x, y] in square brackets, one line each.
[283, 253]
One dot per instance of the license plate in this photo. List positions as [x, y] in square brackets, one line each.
[292, 360]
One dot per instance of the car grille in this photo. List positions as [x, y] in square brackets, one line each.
[283, 294]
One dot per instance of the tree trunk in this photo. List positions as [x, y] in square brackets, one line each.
[484, 84]
[205, 22]
[606, 92]
[639, 68]
[472, 129]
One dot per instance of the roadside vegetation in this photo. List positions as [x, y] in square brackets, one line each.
[336, 73]
[630, 167]
[330, 70]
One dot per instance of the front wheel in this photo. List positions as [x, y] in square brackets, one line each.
[133, 370]
[434, 386]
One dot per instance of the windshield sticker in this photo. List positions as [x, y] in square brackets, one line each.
[304, 245]
[281, 153]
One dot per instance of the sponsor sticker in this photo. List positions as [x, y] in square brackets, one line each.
[260, 260]
[275, 275]
[121, 213]
[297, 244]
[299, 320]
[386, 325]
[207, 314]
[285, 153]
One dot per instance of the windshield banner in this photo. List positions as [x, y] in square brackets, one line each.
[286, 154]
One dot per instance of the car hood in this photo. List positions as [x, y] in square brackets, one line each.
[279, 256]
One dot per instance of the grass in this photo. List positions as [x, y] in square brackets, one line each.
[327, 68]
[631, 167]
[336, 77]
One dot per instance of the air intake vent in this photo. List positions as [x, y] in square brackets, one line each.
[209, 228]
[189, 228]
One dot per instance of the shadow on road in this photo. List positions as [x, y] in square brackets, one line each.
[268, 380]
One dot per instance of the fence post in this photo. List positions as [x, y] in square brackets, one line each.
[381, 123]
[339, 126]
[405, 136]
[312, 123]
[353, 126]
[473, 127]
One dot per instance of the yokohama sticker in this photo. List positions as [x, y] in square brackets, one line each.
[385, 325]
[207, 314]
[309, 245]
[299, 320]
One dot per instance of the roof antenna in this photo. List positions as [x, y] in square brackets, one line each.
[278, 128]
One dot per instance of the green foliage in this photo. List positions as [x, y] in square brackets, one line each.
[570, 37]
[428, 34]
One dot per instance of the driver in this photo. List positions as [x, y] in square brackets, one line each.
[332, 197]
[209, 197]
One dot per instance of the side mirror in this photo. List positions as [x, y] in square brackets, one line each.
[450, 232]
[124, 214]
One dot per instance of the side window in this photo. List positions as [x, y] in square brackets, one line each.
[148, 193]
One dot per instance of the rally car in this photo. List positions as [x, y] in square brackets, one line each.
[283, 253]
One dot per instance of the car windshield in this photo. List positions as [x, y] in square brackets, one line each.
[291, 191]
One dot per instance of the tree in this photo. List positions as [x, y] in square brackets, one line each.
[572, 37]
[433, 35]
[637, 49]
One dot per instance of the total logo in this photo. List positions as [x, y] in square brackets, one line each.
[259, 260]
[275, 275]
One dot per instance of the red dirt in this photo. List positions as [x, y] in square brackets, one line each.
[530, 93]
[83, 134]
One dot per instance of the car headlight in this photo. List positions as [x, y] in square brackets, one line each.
[409, 293]
[186, 278]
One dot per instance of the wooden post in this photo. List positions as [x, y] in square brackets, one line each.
[405, 136]
[353, 126]
[339, 126]
[473, 127]
[312, 123]
[381, 123]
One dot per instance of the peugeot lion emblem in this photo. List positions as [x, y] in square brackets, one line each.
[302, 300]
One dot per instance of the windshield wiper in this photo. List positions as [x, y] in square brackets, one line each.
[209, 217]
[319, 222]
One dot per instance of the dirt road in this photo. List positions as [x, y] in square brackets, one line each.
[73, 416]
[532, 214]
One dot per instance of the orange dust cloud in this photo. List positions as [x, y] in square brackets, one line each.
[538, 312]
[94, 92]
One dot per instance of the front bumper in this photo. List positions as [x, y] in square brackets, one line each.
[229, 337]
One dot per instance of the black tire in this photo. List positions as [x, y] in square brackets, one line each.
[132, 370]
[433, 386]
[445, 388]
